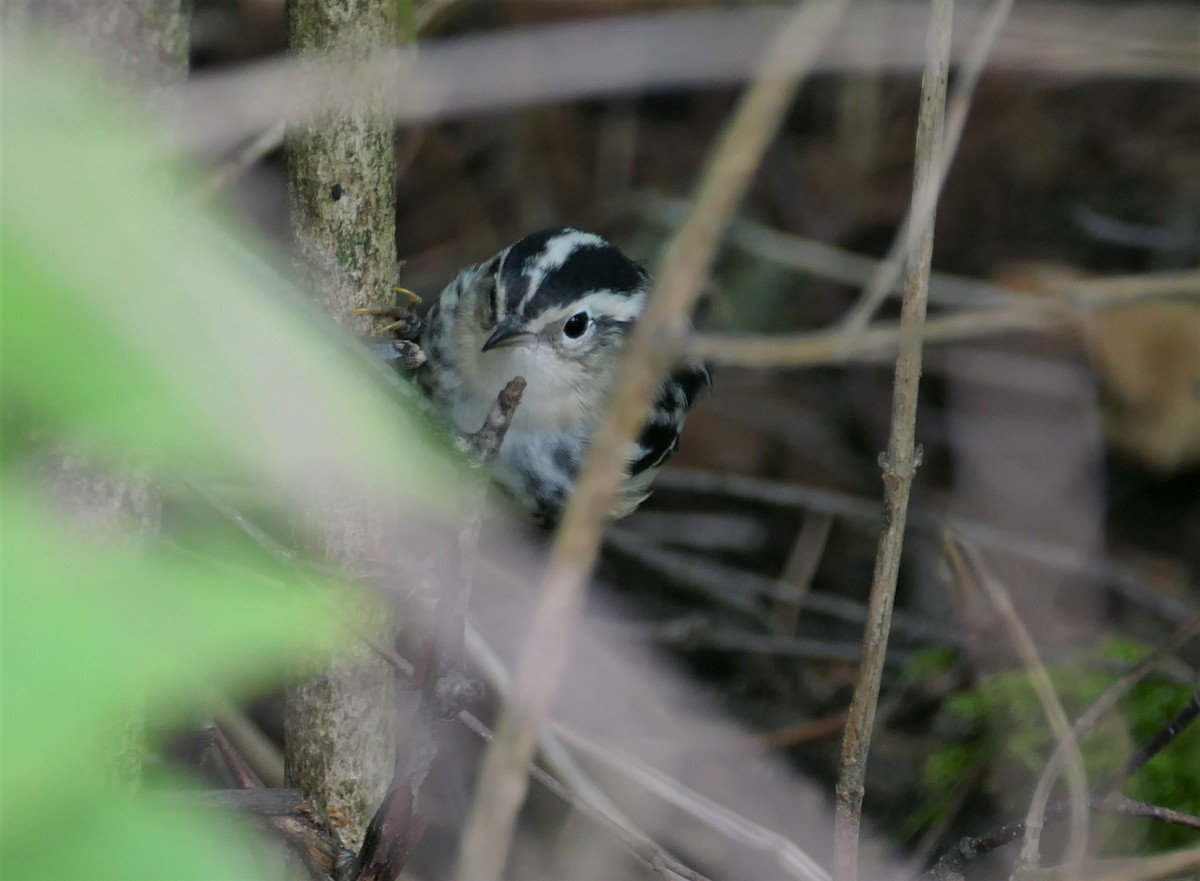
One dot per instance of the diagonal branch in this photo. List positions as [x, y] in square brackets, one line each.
[685, 265]
[960, 554]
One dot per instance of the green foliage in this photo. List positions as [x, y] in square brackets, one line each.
[1003, 731]
[929, 661]
[135, 330]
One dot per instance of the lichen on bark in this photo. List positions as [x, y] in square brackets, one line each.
[341, 186]
[341, 173]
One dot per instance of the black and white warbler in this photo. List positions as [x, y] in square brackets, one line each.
[556, 308]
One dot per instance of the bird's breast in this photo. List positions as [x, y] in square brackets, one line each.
[558, 395]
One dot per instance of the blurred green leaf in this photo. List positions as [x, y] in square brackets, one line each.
[1008, 731]
[136, 320]
[146, 331]
[88, 629]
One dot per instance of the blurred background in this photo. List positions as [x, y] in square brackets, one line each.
[1086, 441]
[1068, 458]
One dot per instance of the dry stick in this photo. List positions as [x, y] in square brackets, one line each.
[1116, 803]
[834, 346]
[1055, 715]
[255, 748]
[1100, 708]
[824, 260]
[685, 265]
[918, 224]
[1158, 743]
[244, 776]
[739, 590]
[899, 463]
[863, 512]
[951, 865]
[257, 149]
[801, 566]
[852, 268]
[790, 857]
[1167, 865]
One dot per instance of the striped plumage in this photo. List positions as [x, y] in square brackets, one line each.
[555, 308]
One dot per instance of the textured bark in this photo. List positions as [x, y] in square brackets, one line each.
[339, 731]
[341, 187]
[341, 176]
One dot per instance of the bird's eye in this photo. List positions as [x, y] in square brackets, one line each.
[576, 325]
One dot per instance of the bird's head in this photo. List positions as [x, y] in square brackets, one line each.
[560, 297]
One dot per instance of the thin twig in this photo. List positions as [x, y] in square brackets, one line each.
[951, 865]
[1160, 741]
[1167, 865]
[244, 776]
[899, 463]
[789, 856]
[1051, 707]
[258, 148]
[1116, 803]
[738, 589]
[865, 513]
[484, 444]
[691, 635]
[918, 224]
[801, 565]
[796, 735]
[836, 346]
[254, 748]
[685, 265]
[825, 260]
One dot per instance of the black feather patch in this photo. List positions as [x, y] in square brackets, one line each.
[596, 268]
[660, 437]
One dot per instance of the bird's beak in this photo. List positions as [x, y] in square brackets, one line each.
[508, 333]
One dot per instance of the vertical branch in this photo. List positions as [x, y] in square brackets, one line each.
[341, 175]
[899, 463]
[684, 267]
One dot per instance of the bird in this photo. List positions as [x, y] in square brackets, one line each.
[556, 308]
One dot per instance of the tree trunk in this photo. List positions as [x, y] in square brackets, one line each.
[339, 726]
